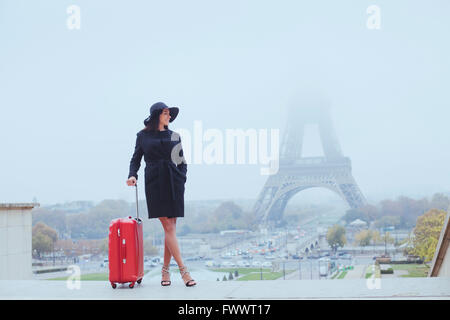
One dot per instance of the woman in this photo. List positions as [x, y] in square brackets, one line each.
[165, 176]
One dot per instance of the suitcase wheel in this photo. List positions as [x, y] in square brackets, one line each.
[139, 281]
[113, 285]
[131, 285]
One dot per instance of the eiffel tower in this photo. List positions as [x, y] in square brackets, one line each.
[297, 173]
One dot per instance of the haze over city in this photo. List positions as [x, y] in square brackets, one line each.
[72, 101]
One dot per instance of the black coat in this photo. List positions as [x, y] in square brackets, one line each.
[165, 171]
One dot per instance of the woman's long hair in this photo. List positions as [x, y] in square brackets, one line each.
[153, 123]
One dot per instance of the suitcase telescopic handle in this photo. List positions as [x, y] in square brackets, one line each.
[137, 208]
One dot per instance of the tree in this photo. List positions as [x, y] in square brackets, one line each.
[406, 209]
[439, 201]
[56, 219]
[353, 214]
[41, 243]
[227, 215]
[363, 238]
[230, 276]
[376, 237]
[43, 238]
[370, 211]
[104, 246]
[336, 237]
[426, 233]
[386, 238]
[387, 221]
[42, 228]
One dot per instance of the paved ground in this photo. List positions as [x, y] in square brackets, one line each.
[397, 273]
[394, 288]
[358, 272]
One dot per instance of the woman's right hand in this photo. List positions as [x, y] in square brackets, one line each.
[131, 181]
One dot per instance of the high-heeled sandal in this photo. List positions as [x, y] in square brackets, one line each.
[165, 270]
[183, 271]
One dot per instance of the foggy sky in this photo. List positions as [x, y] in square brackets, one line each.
[72, 101]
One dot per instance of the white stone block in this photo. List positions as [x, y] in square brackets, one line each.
[3, 241]
[3, 218]
[27, 218]
[15, 266]
[3, 267]
[16, 240]
[15, 218]
[28, 239]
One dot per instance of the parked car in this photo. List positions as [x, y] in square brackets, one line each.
[266, 264]
[151, 264]
[256, 264]
[209, 263]
[227, 264]
[155, 259]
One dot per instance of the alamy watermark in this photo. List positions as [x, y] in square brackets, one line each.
[374, 20]
[73, 282]
[235, 146]
[73, 21]
[373, 282]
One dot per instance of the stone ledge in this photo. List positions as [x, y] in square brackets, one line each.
[393, 288]
[10, 206]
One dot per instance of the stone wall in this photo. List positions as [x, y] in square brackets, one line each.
[15, 241]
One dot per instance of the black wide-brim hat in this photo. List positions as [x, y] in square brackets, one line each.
[173, 111]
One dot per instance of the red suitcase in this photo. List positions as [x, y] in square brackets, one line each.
[126, 250]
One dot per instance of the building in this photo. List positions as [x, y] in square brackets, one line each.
[16, 241]
[353, 228]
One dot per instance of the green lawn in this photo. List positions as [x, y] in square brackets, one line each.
[342, 275]
[370, 271]
[241, 271]
[265, 276]
[88, 277]
[414, 270]
[246, 274]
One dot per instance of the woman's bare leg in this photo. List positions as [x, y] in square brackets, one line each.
[167, 254]
[170, 240]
